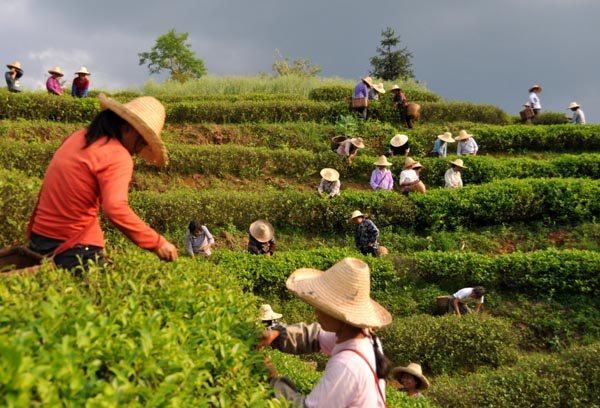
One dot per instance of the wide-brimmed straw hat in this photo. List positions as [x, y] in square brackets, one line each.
[573, 105]
[463, 135]
[417, 165]
[342, 292]
[330, 174]
[379, 88]
[446, 137]
[16, 65]
[147, 115]
[356, 214]
[262, 230]
[367, 80]
[57, 71]
[267, 313]
[415, 370]
[527, 104]
[535, 87]
[398, 140]
[409, 162]
[459, 163]
[383, 161]
[358, 142]
[83, 70]
[395, 87]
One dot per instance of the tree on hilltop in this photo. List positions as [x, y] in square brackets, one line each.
[391, 63]
[301, 66]
[171, 53]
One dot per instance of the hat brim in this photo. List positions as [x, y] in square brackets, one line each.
[57, 73]
[155, 152]
[15, 67]
[447, 139]
[330, 174]
[407, 370]
[271, 316]
[308, 285]
[357, 143]
[459, 165]
[259, 234]
[400, 141]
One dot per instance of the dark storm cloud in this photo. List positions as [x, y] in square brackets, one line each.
[480, 51]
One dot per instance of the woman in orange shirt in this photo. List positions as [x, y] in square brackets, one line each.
[94, 167]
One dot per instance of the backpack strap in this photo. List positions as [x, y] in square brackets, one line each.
[373, 371]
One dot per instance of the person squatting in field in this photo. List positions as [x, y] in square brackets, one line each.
[92, 168]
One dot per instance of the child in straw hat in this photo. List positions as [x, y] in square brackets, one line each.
[381, 177]
[94, 167]
[411, 379]
[354, 375]
[330, 183]
[53, 84]
[452, 176]
[261, 239]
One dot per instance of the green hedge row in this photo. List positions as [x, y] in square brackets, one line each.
[336, 93]
[147, 333]
[450, 344]
[63, 109]
[263, 162]
[560, 201]
[567, 380]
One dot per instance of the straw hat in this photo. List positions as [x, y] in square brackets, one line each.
[459, 163]
[573, 105]
[267, 313]
[398, 140]
[16, 65]
[383, 161]
[262, 230]
[536, 87]
[395, 87]
[342, 292]
[446, 137]
[379, 88]
[358, 142]
[330, 174]
[57, 71]
[83, 70]
[463, 135]
[415, 370]
[417, 165]
[527, 104]
[409, 162]
[147, 115]
[367, 80]
[356, 214]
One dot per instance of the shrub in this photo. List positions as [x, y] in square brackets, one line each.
[145, 334]
[450, 344]
[330, 93]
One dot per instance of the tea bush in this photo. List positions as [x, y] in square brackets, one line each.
[568, 379]
[18, 194]
[450, 344]
[144, 334]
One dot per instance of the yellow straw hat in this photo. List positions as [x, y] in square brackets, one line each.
[356, 214]
[57, 71]
[463, 135]
[533, 87]
[415, 370]
[330, 174]
[383, 161]
[446, 137]
[367, 80]
[16, 65]
[83, 70]
[409, 162]
[342, 291]
[147, 115]
[262, 230]
[398, 140]
[358, 142]
[459, 163]
[379, 88]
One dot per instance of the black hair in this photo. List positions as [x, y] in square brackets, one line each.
[382, 363]
[479, 291]
[105, 124]
[194, 225]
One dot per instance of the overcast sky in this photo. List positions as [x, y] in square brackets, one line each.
[484, 51]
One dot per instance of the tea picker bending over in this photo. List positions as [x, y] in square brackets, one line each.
[198, 239]
[330, 183]
[459, 303]
[261, 239]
